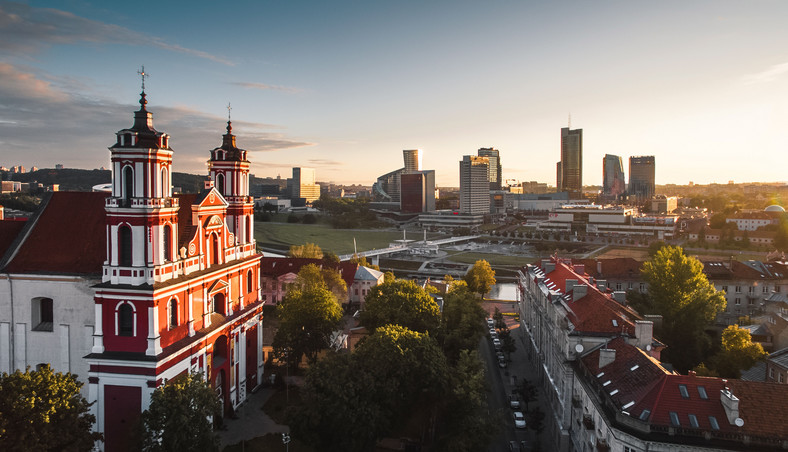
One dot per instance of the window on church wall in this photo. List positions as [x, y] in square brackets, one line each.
[43, 316]
[218, 304]
[127, 185]
[249, 282]
[172, 308]
[165, 183]
[167, 243]
[125, 320]
[220, 183]
[124, 246]
[214, 246]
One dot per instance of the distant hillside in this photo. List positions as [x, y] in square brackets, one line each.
[71, 179]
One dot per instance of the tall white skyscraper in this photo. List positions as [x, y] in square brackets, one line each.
[474, 185]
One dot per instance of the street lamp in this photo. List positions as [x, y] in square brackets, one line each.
[286, 440]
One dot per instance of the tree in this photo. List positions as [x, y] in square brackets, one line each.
[178, 416]
[400, 302]
[527, 391]
[462, 322]
[389, 277]
[362, 261]
[738, 352]
[43, 410]
[480, 277]
[654, 247]
[466, 424]
[311, 276]
[681, 293]
[308, 316]
[307, 250]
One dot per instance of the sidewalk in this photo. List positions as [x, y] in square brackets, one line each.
[250, 420]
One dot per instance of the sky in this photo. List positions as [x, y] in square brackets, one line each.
[345, 86]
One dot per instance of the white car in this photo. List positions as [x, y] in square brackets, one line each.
[490, 323]
[497, 343]
[514, 402]
[519, 419]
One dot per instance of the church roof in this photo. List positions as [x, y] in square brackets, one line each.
[61, 236]
[9, 230]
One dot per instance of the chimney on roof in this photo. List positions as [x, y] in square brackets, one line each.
[599, 268]
[208, 184]
[548, 265]
[620, 296]
[731, 404]
[606, 356]
[656, 319]
[601, 284]
[579, 291]
[570, 283]
[644, 333]
[580, 269]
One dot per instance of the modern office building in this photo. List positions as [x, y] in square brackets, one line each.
[613, 182]
[303, 186]
[570, 168]
[494, 167]
[412, 159]
[641, 178]
[474, 185]
[417, 191]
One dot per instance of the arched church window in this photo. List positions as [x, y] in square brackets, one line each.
[125, 320]
[167, 242]
[220, 183]
[124, 246]
[173, 311]
[165, 183]
[127, 185]
[249, 282]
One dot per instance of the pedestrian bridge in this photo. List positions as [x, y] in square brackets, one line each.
[405, 245]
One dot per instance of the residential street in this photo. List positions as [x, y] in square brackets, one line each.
[503, 381]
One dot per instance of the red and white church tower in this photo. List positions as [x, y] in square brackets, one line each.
[180, 288]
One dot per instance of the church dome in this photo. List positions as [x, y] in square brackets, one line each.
[774, 208]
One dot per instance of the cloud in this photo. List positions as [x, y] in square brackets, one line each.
[324, 162]
[24, 29]
[42, 122]
[265, 86]
[769, 75]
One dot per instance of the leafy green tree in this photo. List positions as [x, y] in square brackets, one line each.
[178, 417]
[308, 316]
[462, 322]
[340, 410]
[362, 261]
[330, 258]
[312, 276]
[654, 247]
[681, 293]
[738, 352]
[389, 277]
[308, 250]
[400, 302]
[507, 341]
[43, 410]
[480, 278]
[466, 424]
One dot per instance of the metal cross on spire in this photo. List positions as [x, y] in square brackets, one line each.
[229, 108]
[143, 74]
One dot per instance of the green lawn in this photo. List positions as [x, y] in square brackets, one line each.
[339, 241]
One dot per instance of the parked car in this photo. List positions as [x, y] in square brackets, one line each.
[497, 343]
[514, 402]
[499, 355]
[501, 363]
[519, 419]
[513, 446]
[490, 323]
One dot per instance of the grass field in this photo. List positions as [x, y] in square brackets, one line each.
[338, 241]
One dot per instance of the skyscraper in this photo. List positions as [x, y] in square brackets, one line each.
[571, 168]
[641, 177]
[417, 192]
[613, 182]
[412, 159]
[494, 169]
[474, 185]
[303, 185]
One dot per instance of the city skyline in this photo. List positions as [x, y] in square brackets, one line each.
[343, 88]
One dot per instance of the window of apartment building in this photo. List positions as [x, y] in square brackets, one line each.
[751, 289]
[738, 289]
[693, 420]
[702, 393]
[43, 315]
[684, 392]
[674, 419]
[642, 287]
[630, 286]
[619, 286]
[777, 289]
[737, 301]
[751, 301]
[714, 424]
[779, 377]
[724, 289]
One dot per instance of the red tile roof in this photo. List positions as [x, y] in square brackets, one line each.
[763, 407]
[66, 235]
[618, 267]
[595, 312]
[9, 230]
[278, 266]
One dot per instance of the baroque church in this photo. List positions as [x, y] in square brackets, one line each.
[133, 288]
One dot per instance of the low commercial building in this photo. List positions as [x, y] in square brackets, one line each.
[608, 220]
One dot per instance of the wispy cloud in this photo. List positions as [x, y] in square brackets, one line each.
[324, 162]
[25, 29]
[265, 86]
[37, 118]
[769, 75]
